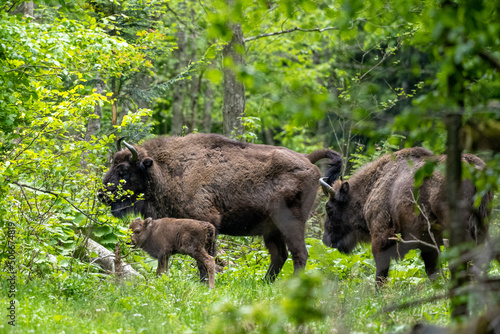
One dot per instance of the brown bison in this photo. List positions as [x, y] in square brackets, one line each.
[378, 202]
[242, 189]
[164, 237]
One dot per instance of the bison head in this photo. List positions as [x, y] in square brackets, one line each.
[125, 181]
[141, 230]
[340, 227]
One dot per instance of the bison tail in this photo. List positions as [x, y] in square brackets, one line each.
[335, 166]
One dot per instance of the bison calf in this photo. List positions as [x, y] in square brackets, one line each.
[163, 237]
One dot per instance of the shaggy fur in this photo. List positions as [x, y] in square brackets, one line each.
[376, 203]
[242, 189]
[164, 237]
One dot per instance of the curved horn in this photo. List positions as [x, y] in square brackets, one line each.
[132, 149]
[327, 189]
[119, 143]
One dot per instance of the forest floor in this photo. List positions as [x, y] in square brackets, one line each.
[335, 294]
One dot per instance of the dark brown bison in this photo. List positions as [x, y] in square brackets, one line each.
[164, 237]
[378, 202]
[243, 189]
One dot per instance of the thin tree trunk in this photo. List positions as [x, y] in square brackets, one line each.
[94, 124]
[195, 90]
[455, 208]
[179, 88]
[208, 104]
[124, 110]
[195, 83]
[234, 91]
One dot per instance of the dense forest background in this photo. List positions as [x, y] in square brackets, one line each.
[361, 77]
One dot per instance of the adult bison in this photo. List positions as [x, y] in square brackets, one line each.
[378, 202]
[243, 189]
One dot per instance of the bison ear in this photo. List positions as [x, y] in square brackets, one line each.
[147, 221]
[343, 195]
[146, 163]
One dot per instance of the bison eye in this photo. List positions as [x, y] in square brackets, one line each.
[123, 174]
[137, 232]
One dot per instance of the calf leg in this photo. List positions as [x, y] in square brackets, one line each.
[211, 250]
[162, 265]
[277, 249]
[208, 262]
[202, 270]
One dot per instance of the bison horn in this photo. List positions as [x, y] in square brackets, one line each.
[327, 189]
[119, 143]
[132, 149]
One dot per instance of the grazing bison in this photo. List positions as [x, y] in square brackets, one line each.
[242, 189]
[167, 236]
[377, 202]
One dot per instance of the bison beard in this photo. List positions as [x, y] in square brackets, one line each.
[376, 203]
[242, 189]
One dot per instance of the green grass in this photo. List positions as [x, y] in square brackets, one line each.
[336, 294]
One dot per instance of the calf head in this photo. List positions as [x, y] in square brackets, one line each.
[340, 222]
[125, 180]
[141, 231]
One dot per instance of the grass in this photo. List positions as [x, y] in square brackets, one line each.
[336, 294]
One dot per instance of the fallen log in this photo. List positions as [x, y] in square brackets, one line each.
[106, 260]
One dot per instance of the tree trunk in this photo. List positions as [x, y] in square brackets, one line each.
[179, 88]
[195, 90]
[208, 104]
[94, 124]
[26, 8]
[234, 91]
[455, 208]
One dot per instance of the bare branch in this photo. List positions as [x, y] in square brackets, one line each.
[17, 69]
[57, 196]
[290, 31]
[424, 214]
[176, 15]
[413, 241]
[489, 58]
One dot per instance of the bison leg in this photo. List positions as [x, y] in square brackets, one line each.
[202, 270]
[295, 241]
[162, 265]
[211, 251]
[382, 263]
[430, 257]
[207, 262]
[277, 249]
[290, 221]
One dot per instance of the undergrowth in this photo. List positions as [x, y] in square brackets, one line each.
[335, 294]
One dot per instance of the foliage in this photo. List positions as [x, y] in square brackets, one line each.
[366, 78]
[239, 303]
[47, 170]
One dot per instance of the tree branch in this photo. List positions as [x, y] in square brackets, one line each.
[489, 58]
[290, 31]
[58, 196]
